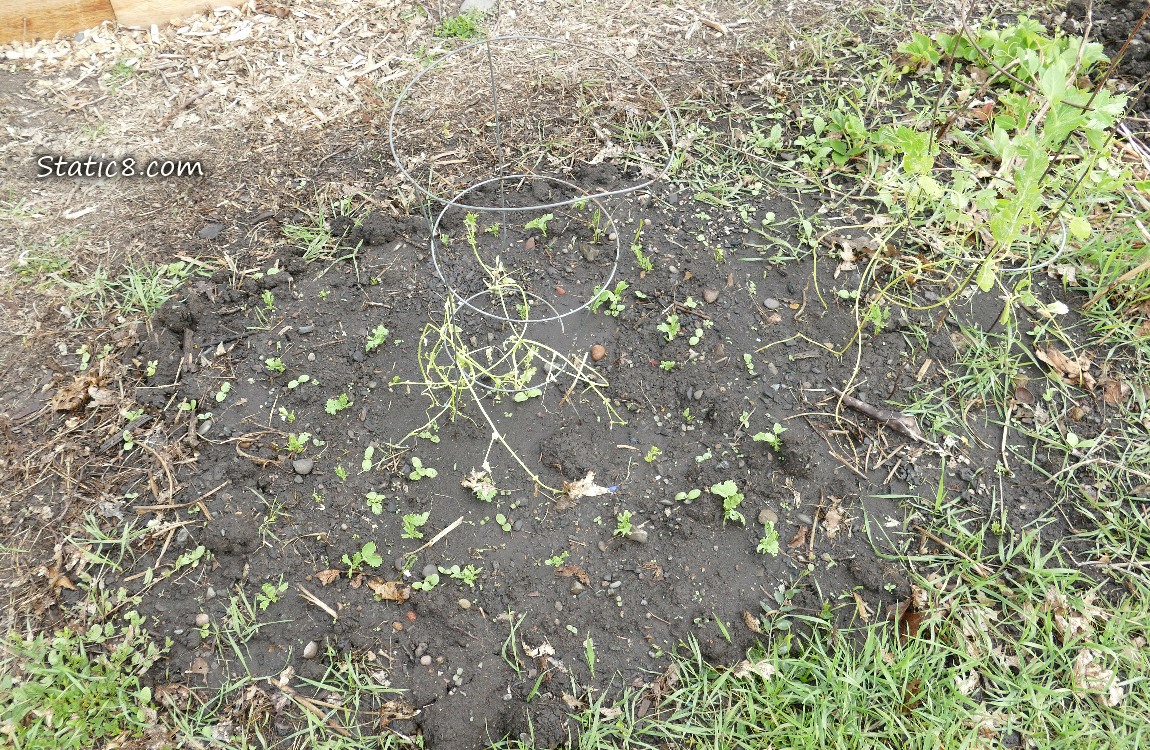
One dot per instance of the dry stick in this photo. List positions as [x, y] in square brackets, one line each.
[174, 506]
[317, 601]
[440, 535]
[978, 567]
[897, 421]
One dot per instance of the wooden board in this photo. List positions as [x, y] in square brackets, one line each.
[28, 20]
[148, 12]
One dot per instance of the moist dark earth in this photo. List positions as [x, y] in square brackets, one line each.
[1113, 23]
[509, 656]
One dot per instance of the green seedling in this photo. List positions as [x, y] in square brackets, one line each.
[427, 584]
[623, 525]
[297, 443]
[275, 364]
[667, 365]
[652, 453]
[375, 502]
[419, 471]
[368, 454]
[670, 326]
[641, 259]
[365, 556]
[688, 495]
[412, 522]
[430, 434]
[222, 393]
[269, 299]
[463, 26]
[287, 415]
[341, 472]
[480, 483]
[297, 382]
[769, 543]
[589, 652]
[152, 365]
[613, 299]
[336, 405]
[732, 499]
[749, 361]
[467, 575]
[270, 594]
[504, 522]
[377, 338]
[772, 438]
[556, 560]
[696, 337]
[540, 223]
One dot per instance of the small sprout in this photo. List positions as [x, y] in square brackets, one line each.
[365, 556]
[623, 524]
[652, 454]
[412, 523]
[419, 471]
[749, 361]
[336, 405]
[667, 365]
[503, 522]
[375, 502]
[297, 382]
[688, 495]
[298, 443]
[368, 454]
[772, 438]
[341, 472]
[613, 299]
[377, 338]
[269, 299]
[732, 499]
[467, 575]
[769, 544]
[556, 560]
[275, 364]
[222, 393]
[540, 223]
[480, 483]
[696, 337]
[670, 327]
[152, 365]
[287, 415]
[427, 584]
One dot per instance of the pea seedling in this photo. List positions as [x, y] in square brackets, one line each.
[419, 471]
[412, 523]
[732, 499]
[772, 438]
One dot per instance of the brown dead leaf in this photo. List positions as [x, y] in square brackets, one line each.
[58, 580]
[396, 711]
[1072, 622]
[199, 666]
[389, 591]
[799, 539]
[1115, 392]
[752, 622]
[833, 519]
[76, 394]
[654, 569]
[327, 576]
[861, 607]
[1074, 371]
[746, 668]
[356, 581]
[571, 570]
[1092, 678]
[907, 618]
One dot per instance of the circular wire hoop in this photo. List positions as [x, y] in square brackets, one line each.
[467, 302]
[514, 45]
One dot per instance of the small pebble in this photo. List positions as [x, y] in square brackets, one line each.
[429, 570]
[303, 466]
[638, 535]
[465, 604]
[529, 244]
[310, 650]
[710, 296]
[204, 428]
[766, 515]
[425, 660]
[202, 619]
[598, 352]
[614, 585]
[211, 593]
[400, 564]
[558, 606]
[771, 303]
[577, 588]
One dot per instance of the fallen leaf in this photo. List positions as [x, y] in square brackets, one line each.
[1075, 371]
[833, 519]
[864, 611]
[966, 685]
[389, 591]
[571, 570]
[752, 622]
[327, 576]
[908, 616]
[59, 580]
[746, 668]
[1072, 622]
[654, 569]
[199, 666]
[799, 539]
[572, 702]
[543, 649]
[76, 394]
[1092, 678]
[1116, 392]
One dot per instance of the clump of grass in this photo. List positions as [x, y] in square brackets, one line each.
[463, 26]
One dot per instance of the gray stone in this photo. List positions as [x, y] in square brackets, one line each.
[771, 303]
[210, 231]
[638, 535]
[429, 570]
[477, 6]
[310, 650]
[766, 515]
[303, 466]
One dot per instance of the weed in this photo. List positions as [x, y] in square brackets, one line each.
[366, 555]
[269, 299]
[589, 654]
[419, 471]
[641, 259]
[270, 594]
[427, 584]
[275, 364]
[732, 499]
[652, 453]
[556, 560]
[688, 496]
[297, 443]
[336, 405]
[773, 438]
[375, 502]
[503, 522]
[769, 542]
[377, 338]
[623, 526]
[670, 326]
[466, 575]
[539, 223]
[412, 522]
[463, 26]
[612, 298]
[667, 365]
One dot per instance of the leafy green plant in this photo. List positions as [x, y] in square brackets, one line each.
[613, 299]
[667, 365]
[275, 364]
[540, 223]
[419, 471]
[769, 543]
[463, 26]
[504, 522]
[366, 555]
[269, 299]
[556, 560]
[688, 495]
[287, 415]
[336, 405]
[670, 326]
[732, 499]
[412, 523]
[652, 453]
[772, 438]
[466, 575]
[297, 443]
[377, 338]
[623, 523]
[296, 382]
[368, 459]
[270, 594]
[427, 584]
[641, 259]
[375, 502]
[341, 472]
[77, 690]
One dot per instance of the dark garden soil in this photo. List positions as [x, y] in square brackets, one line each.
[475, 663]
[1113, 22]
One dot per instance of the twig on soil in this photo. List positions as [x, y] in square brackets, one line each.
[316, 601]
[311, 706]
[141, 509]
[454, 525]
[901, 423]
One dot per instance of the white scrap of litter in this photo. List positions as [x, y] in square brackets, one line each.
[585, 487]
